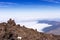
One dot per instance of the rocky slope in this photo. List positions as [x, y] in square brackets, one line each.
[11, 31]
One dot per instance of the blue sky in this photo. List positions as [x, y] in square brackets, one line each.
[29, 9]
[33, 2]
[22, 10]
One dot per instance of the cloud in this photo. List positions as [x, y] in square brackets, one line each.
[53, 1]
[7, 4]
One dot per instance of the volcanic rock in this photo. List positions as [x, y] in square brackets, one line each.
[13, 31]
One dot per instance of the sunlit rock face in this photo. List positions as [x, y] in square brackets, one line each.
[13, 31]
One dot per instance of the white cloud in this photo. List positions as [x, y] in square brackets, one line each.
[54, 1]
[7, 4]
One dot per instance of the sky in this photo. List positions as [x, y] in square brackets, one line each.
[29, 9]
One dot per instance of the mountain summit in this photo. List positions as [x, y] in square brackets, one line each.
[13, 31]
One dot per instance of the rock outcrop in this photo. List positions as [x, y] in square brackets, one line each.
[13, 31]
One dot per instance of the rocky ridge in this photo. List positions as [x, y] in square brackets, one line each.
[13, 31]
